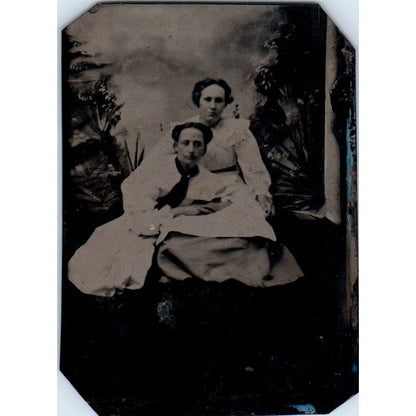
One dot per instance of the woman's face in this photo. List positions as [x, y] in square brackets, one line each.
[190, 147]
[211, 104]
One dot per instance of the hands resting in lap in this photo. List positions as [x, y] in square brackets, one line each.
[199, 209]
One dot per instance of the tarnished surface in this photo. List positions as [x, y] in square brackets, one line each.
[209, 348]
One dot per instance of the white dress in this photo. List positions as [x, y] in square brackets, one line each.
[119, 254]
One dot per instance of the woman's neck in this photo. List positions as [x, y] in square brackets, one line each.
[210, 123]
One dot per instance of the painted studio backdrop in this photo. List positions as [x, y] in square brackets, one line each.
[222, 280]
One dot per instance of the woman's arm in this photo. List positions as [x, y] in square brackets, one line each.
[254, 171]
[200, 209]
[140, 196]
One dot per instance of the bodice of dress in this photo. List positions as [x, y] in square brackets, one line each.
[221, 152]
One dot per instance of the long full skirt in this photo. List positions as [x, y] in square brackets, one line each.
[247, 260]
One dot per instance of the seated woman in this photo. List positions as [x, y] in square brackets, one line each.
[201, 225]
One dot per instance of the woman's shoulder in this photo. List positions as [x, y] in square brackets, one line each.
[236, 123]
[234, 130]
[152, 171]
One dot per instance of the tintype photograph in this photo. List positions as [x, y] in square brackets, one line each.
[209, 262]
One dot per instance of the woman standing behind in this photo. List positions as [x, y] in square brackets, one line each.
[233, 150]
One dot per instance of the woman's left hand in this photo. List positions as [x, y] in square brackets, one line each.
[266, 203]
[191, 210]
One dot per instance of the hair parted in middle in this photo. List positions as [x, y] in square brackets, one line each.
[201, 85]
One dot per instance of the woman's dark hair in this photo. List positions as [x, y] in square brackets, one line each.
[205, 130]
[201, 85]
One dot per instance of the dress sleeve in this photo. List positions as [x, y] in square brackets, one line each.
[162, 149]
[251, 164]
[141, 191]
[140, 194]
